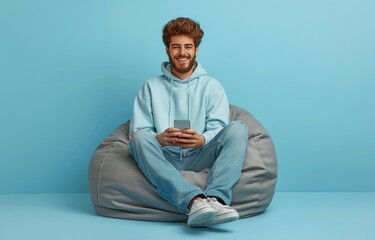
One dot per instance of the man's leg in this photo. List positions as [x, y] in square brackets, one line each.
[230, 145]
[159, 170]
[225, 155]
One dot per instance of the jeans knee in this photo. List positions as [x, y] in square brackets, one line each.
[141, 138]
[140, 135]
[238, 128]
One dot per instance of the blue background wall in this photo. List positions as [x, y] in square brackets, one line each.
[69, 71]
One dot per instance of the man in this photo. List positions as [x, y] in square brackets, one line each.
[161, 150]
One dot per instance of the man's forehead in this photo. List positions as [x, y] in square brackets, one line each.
[181, 40]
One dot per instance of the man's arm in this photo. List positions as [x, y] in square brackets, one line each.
[217, 114]
[141, 118]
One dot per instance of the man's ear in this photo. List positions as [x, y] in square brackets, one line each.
[196, 51]
[167, 50]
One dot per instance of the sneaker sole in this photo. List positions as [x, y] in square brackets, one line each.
[230, 217]
[202, 219]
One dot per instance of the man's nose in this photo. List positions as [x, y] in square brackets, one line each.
[182, 51]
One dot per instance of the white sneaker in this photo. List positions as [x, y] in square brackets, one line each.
[224, 213]
[200, 213]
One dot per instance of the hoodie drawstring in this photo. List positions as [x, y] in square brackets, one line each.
[170, 104]
[189, 100]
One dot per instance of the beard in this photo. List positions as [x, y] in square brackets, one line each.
[182, 70]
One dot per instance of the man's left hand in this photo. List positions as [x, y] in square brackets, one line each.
[190, 138]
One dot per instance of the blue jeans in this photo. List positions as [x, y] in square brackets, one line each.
[224, 155]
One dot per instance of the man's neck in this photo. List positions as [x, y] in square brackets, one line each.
[181, 76]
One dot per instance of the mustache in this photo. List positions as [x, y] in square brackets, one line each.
[183, 56]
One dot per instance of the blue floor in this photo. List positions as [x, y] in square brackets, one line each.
[291, 216]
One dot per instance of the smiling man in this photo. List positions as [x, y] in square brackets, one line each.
[162, 148]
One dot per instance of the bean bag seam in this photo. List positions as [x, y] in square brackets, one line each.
[261, 157]
[101, 166]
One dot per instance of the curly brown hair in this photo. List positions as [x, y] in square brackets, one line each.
[182, 26]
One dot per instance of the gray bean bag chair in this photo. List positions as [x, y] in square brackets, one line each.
[119, 189]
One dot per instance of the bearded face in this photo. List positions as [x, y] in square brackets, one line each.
[182, 53]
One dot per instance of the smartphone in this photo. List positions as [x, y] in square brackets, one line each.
[181, 124]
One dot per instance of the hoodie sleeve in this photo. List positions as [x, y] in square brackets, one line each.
[217, 114]
[142, 114]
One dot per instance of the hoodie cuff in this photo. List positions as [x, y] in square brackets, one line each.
[208, 137]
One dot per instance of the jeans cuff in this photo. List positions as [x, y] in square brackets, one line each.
[188, 199]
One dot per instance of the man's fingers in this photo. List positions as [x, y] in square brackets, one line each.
[171, 129]
[186, 141]
[187, 136]
[189, 131]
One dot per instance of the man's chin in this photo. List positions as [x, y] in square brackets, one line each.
[183, 69]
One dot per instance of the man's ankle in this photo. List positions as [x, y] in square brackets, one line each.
[198, 197]
[218, 199]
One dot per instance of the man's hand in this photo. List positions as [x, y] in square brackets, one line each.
[191, 139]
[168, 137]
[185, 138]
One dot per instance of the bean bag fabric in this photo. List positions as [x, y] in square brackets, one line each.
[119, 189]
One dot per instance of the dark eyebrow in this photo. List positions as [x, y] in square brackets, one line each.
[188, 44]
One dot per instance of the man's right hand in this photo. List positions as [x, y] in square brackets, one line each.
[168, 137]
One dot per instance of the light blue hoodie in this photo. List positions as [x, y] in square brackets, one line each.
[199, 98]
